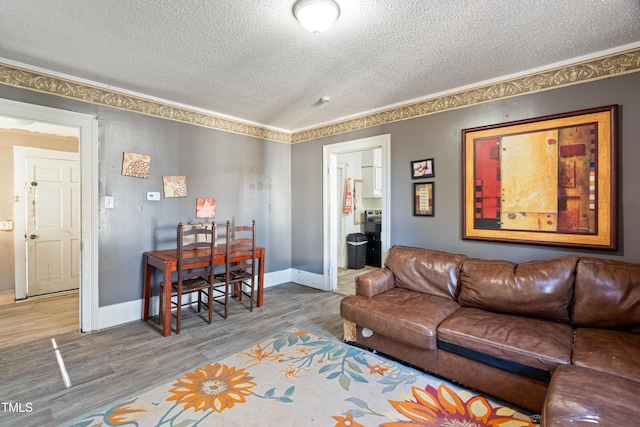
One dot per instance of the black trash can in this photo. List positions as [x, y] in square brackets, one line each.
[356, 250]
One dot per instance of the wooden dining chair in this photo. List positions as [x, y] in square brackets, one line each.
[238, 277]
[196, 251]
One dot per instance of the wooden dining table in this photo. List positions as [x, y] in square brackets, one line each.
[167, 262]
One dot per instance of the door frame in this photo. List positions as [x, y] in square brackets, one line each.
[21, 263]
[88, 147]
[331, 198]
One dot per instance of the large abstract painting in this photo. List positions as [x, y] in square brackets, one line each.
[548, 180]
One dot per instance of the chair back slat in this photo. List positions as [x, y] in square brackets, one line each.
[240, 264]
[193, 237]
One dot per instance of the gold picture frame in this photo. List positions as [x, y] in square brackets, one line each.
[550, 180]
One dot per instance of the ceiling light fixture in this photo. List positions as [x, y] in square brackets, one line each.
[316, 15]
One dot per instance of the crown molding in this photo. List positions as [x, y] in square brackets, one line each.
[41, 82]
[594, 69]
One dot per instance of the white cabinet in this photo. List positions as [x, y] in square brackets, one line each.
[372, 174]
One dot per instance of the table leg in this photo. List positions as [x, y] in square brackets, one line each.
[146, 290]
[166, 311]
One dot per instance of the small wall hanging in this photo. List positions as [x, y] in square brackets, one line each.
[205, 208]
[136, 165]
[175, 186]
[422, 169]
[423, 198]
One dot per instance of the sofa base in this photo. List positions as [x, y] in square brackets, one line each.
[421, 358]
[522, 391]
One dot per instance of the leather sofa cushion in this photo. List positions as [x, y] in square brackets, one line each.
[607, 294]
[608, 351]
[582, 397]
[406, 316]
[531, 342]
[375, 282]
[540, 289]
[426, 271]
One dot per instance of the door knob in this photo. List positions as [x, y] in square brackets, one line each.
[33, 236]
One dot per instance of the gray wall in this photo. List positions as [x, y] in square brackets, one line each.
[281, 185]
[249, 178]
[439, 136]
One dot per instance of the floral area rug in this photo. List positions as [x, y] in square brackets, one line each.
[299, 379]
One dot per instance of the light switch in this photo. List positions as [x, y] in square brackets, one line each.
[6, 225]
[153, 195]
[108, 202]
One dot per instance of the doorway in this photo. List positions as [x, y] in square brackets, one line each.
[332, 199]
[47, 219]
[88, 147]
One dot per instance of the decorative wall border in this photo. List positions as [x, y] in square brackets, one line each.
[600, 68]
[595, 69]
[26, 79]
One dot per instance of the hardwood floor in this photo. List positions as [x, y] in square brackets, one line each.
[347, 277]
[39, 317]
[120, 362]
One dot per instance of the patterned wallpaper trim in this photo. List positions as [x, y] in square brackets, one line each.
[600, 68]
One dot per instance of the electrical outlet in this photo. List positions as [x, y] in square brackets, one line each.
[153, 196]
[6, 225]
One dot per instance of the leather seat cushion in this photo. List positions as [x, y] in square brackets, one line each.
[583, 397]
[608, 351]
[531, 342]
[406, 316]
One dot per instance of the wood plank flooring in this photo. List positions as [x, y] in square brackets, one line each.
[41, 317]
[122, 361]
[347, 277]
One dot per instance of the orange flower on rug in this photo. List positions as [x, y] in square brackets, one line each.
[213, 387]
[444, 407]
[297, 378]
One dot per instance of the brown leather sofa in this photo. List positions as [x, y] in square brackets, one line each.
[558, 336]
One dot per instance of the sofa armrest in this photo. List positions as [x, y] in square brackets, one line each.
[375, 282]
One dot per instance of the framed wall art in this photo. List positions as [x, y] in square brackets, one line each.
[175, 186]
[422, 169]
[548, 180]
[423, 198]
[135, 165]
[205, 208]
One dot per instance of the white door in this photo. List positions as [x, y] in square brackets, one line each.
[53, 225]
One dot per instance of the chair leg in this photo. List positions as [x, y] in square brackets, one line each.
[210, 303]
[178, 312]
[252, 294]
[226, 299]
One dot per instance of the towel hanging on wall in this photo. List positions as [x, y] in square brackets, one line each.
[348, 198]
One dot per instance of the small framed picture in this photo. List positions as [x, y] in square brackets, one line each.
[423, 198]
[422, 169]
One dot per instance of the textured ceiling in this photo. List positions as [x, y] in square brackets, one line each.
[251, 60]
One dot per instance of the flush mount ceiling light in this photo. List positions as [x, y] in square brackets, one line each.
[316, 15]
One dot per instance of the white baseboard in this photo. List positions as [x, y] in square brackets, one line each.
[131, 311]
[312, 280]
